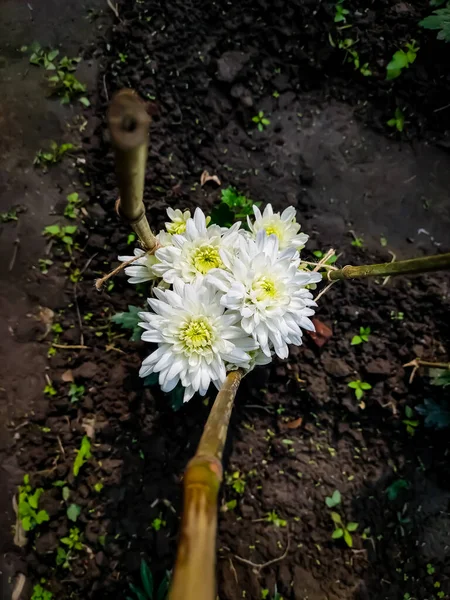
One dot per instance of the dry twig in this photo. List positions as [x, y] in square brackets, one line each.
[261, 566]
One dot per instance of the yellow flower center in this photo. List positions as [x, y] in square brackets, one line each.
[273, 229]
[196, 334]
[265, 288]
[206, 258]
[176, 227]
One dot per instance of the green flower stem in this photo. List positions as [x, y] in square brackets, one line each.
[128, 124]
[426, 264]
[194, 575]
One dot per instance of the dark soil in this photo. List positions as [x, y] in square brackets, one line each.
[208, 68]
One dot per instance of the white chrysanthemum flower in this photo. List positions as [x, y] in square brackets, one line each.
[197, 251]
[178, 220]
[195, 337]
[268, 291]
[284, 226]
[142, 269]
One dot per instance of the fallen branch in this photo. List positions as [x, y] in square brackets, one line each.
[261, 566]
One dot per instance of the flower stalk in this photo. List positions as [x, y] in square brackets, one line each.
[128, 123]
[194, 575]
[425, 264]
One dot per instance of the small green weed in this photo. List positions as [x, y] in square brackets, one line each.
[439, 21]
[61, 233]
[261, 121]
[237, 481]
[72, 208]
[73, 512]
[123, 57]
[28, 506]
[39, 593]
[319, 254]
[44, 158]
[147, 591]
[74, 543]
[76, 392]
[158, 523]
[340, 12]
[233, 205]
[402, 59]
[131, 238]
[363, 336]
[67, 87]
[395, 488]
[397, 315]
[42, 57]
[343, 530]
[272, 517]
[9, 215]
[398, 120]
[410, 422]
[358, 242]
[430, 569]
[334, 499]
[83, 455]
[359, 387]
[265, 594]
[49, 390]
[44, 264]
[351, 55]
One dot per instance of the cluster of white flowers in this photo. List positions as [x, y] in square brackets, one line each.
[225, 298]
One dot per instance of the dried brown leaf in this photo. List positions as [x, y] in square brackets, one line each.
[67, 376]
[20, 536]
[205, 177]
[19, 586]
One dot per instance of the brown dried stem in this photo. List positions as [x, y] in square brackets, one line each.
[194, 575]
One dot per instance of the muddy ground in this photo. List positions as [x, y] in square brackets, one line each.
[328, 151]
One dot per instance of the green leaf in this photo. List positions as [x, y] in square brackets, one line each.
[399, 61]
[177, 397]
[393, 74]
[65, 493]
[352, 526]
[356, 339]
[354, 385]
[33, 499]
[27, 524]
[139, 593]
[147, 579]
[337, 533]
[336, 517]
[66, 540]
[409, 412]
[163, 588]
[394, 489]
[73, 512]
[84, 101]
[365, 386]
[42, 516]
[52, 230]
[83, 454]
[334, 499]
[151, 379]
[222, 215]
[348, 538]
[52, 55]
[359, 393]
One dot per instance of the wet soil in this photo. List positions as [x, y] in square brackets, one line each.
[297, 433]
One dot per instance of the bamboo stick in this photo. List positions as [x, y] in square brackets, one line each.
[426, 264]
[194, 576]
[128, 124]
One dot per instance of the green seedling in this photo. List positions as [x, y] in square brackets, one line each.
[44, 263]
[28, 506]
[123, 57]
[76, 392]
[67, 87]
[44, 158]
[352, 55]
[74, 543]
[261, 121]
[334, 499]
[363, 336]
[276, 595]
[395, 488]
[359, 387]
[98, 487]
[147, 590]
[343, 530]
[130, 320]
[330, 261]
[61, 233]
[131, 238]
[9, 215]
[383, 241]
[49, 390]
[402, 59]
[276, 94]
[75, 276]
[410, 422]
[397, 316]
[237, 481]
[430, 569]
[398, 120]
[57, 328]
[72, 208]
[158, 523]
[39, 593]
[42, 57]
[358, 242]
[439, 21]
[83, 455]
[340, 12]
[272, 517]
[233, 205]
